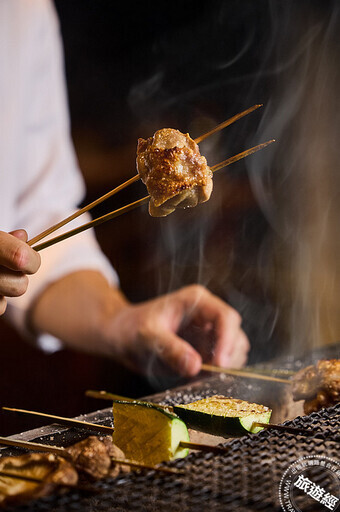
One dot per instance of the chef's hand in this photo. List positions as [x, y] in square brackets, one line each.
[16, 260]
[153, 328]
[88, 315]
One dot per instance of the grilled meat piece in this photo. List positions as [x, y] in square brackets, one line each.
[318, 385]
[92, 457]
[174, 172]
[53, 470]
[116, 453]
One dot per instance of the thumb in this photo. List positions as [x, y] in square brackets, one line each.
[20, 233]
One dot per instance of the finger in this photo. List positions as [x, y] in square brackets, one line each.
[12, 284]
[179, 355]
[240, 353]
[15, 254]
[204, 306]
[228, 335]
[234, 351]
[3, 305]
[21, 234]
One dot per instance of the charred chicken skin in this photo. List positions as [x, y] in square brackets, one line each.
[318, 385]
[90, 460]
[53, 471]
[174, 172]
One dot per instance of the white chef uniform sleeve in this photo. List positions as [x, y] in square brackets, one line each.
[51, 186]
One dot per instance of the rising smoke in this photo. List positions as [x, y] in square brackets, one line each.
[297, 184]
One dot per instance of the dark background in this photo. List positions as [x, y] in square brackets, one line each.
[132, 68]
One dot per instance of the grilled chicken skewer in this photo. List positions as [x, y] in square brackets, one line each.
[318, 385]
[139, 202]
[135, 178]
[40, 474]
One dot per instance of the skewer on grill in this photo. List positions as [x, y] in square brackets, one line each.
[30, 445]
[83, 424]
[62, 452]
[41, 474]
[103, 429]
[285, 428]
[114, 191]
[243, 373]
[131, 206]
[271, 426]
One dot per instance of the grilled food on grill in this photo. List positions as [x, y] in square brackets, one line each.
[318, 385]
[222, 416]
[90, 459]
[147, 433]
[174, 172]
[53, 470]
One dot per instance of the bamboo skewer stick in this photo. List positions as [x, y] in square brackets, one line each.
[103, 429]
[86, 208]
[67, 421]
[112, 396]
[92, 224]
[62, 452]
[243, 373]
[135, 178]
[274, 372]
[226, 123]
[241, 155]
[140, 202]
[204, 447]
[284, 428]
[29, 445]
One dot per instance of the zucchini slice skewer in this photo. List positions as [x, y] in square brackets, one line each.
[222, 416]
[148, 433]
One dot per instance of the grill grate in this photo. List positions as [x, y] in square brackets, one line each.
[245, 479]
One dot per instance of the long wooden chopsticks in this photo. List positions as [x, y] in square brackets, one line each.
[139, 202]
[112, 192]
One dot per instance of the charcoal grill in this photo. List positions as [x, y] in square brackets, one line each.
[246, 478]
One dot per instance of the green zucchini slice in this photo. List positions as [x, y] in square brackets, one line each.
[147, 433]
[222, 416]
